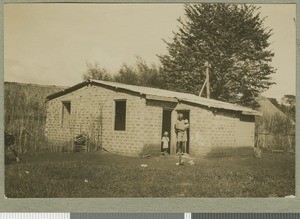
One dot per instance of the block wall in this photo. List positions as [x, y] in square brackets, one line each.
[245, 131]
[92, 112]
[224, 129]
[210, 128]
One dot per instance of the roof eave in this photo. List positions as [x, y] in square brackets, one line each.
[67, 90]
[252, 113]
[161, 98]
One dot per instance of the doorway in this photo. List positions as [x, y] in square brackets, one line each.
[186, 115]
[166, 126]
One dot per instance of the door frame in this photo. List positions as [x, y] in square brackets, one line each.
[170, 110]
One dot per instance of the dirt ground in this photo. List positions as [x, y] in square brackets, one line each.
[231, 173]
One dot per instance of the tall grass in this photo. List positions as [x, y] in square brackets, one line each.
[275, 131]
[25, 114]
[275, 124]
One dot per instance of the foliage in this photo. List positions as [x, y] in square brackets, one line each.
[275, 124]
[148, 75]
[139, 74]
[127, 75]
[80, 139]
[94, 71]
[233, 40]
[287, 105]
[25, 113]
[233, 174]
[289, 100]
[274, 128]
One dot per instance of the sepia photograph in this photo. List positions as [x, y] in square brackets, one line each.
[152, 100]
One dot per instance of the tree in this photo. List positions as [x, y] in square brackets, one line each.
[139, 74]
[289, 100]
[94, 71]
[288, 104]
[148, 75]
[232, 38]
[127, 75]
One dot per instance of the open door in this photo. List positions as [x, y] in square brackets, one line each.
[186, 115]
[166, 125]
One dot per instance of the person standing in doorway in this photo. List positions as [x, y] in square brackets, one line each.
[165, 140]
[179, 130]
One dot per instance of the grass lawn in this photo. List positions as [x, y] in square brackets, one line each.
[233, 173]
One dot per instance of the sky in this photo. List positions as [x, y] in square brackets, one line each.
[51, 44]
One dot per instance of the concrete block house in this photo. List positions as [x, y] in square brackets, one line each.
[130, 120]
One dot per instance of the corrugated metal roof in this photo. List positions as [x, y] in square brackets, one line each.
[180, 96]
[191, 98]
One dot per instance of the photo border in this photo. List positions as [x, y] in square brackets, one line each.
[176, 205]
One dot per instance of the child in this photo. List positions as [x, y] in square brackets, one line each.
[186, 123]
[165, 140]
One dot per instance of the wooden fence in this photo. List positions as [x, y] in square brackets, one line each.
[269, 141]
